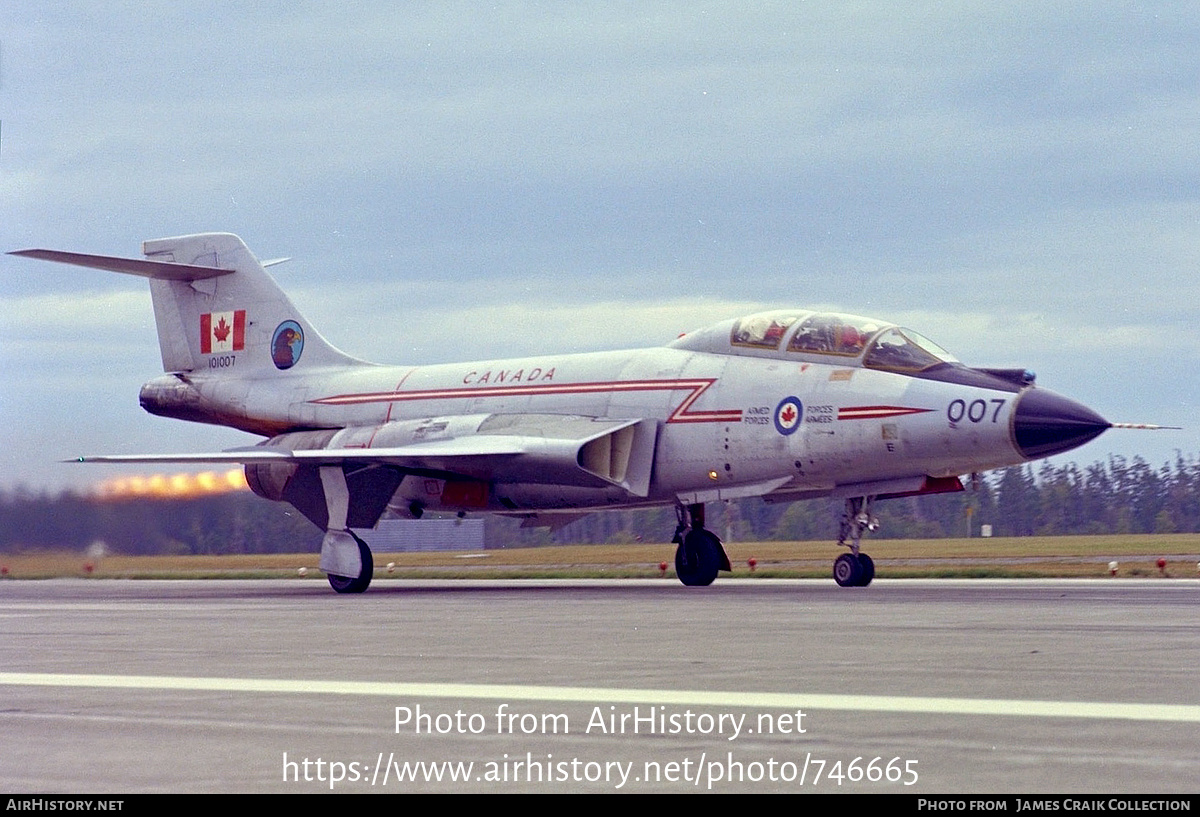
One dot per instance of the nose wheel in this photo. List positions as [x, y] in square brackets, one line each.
[855, 569]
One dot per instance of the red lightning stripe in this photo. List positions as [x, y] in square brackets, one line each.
[680, 415]
[876, 412]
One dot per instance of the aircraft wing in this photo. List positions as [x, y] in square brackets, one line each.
[403, 455]
[539, 449]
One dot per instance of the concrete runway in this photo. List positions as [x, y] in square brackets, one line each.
[977, 686]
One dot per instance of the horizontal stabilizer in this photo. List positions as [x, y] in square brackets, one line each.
[157, 270]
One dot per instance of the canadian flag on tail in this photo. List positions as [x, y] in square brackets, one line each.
[222, 332]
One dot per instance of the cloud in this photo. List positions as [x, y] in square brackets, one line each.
[1018, 183]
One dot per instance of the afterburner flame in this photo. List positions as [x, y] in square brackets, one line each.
[173, 486]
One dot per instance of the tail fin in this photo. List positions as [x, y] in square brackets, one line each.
[216, 307]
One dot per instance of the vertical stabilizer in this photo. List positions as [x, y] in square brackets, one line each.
[240, 322]
[217, 309]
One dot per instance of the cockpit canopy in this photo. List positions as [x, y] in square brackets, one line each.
[826, 337]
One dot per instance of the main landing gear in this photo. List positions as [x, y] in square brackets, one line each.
[855, 569]
[345, 558]
[699, 555]
[359, 583]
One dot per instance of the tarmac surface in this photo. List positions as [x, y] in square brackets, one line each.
[908, 686]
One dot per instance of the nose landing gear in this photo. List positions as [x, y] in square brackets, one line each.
[855, 569]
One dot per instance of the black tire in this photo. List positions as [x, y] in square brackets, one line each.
[698, 559]
[847, 570]
[868, 569]
[358, 584]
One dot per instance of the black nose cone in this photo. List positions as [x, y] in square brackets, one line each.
[1047, 423]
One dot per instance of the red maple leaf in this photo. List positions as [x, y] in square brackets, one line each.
[221, 330]
[788, 414]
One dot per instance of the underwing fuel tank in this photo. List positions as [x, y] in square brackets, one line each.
[1045, 424]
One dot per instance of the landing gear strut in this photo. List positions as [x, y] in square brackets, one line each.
[345, 558]
[855, 569]
[699, 555]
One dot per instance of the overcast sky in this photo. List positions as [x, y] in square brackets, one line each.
[1018, 181]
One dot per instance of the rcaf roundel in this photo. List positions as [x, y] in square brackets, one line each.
[222, 331]
[788, 415]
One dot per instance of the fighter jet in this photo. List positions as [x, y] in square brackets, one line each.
[786, 405]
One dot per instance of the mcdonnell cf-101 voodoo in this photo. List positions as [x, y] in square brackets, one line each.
[785, 405]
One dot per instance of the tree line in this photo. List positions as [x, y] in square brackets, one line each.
[237, 522]
[1118, 495]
